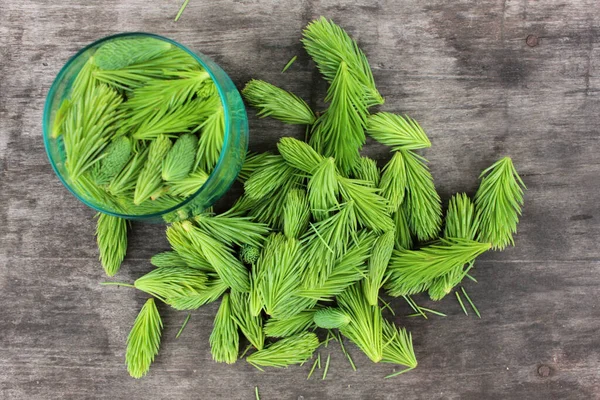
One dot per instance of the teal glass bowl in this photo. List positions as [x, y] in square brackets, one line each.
[233, 152]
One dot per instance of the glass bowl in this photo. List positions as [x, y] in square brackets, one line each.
[233, 152]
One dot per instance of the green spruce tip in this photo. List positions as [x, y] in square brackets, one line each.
[143, 341]
[188, 185]
[231, 229]
[498, 202]
[111, 235]
[220, 257]
[378, 263]
[123, 52]
[88, 127]
[166, 65]
[280, 271]
[170, 283]
[211, 139]
[288, 351]
[250, 325]
[461, 222]
[371, 208]
[412, 271]
[397, 132]
[158, 97]
[180, 159]
[366, 170]
[224, 339]
[215, 287]
[403, 236]
[271, 101]
[149, 180]
[323, 189]
[365, 328]
[422, 202]
[329, 45]
[347, 270]
[299, 155]
[293, 325]
[168, 259]
[268, 179]
[116, 156]
[296, 214]
[325, 242]
[399, 347]
[331, 318]
[393, 182]
[59, 118]
[123, 184]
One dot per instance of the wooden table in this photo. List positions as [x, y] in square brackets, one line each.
[485, 78]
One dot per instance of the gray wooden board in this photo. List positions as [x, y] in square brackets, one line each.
[463, 69]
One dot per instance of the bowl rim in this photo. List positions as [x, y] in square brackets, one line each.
[227, 124]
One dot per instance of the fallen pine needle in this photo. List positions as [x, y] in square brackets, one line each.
[346, 353]
[470, 302]
[312, 370]
[289, 64]
[326, 366]
[183, 6]
[398, 373]
[183, 326]
[461, 303]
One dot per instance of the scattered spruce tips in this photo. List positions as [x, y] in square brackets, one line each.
[320, 233]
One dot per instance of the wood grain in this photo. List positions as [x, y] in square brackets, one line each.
[464, 69]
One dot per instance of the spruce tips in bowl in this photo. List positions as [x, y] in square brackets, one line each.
[138, 126]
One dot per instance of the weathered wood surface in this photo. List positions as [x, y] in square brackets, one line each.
[464, 69]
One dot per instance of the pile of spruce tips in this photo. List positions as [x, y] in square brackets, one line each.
[320, 230]
[141, 131]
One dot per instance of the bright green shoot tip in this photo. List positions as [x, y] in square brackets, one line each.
[498, 201]
[111, 235]
[224, 339]
[397, 132]
[143, 340]
[288, 351]
[271, 101]
[412, 271]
